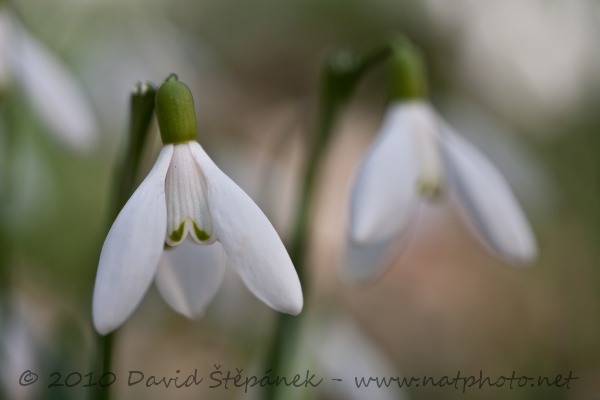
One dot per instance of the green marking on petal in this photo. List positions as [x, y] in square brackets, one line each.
[200, 234]
[177, 234]
[430, 189]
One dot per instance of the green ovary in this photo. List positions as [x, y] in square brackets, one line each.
[430, 189]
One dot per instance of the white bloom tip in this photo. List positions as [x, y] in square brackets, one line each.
[103, 323]
[488, 203]
[362, 231]
[524, 253]
[189, 277]
[295, 304]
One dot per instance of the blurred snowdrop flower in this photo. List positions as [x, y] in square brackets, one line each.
[17, 356]
[186, 194]
[417, 157]
[47, 83]
[365, 360]
[20, 349]
[27, 204]
[333, 343]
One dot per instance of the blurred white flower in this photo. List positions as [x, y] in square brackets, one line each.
[418, 157]
[16, 356]
[186, 193]
[28, 203]
[20, 348]
[49, 86]
[366, 359]
[334, 347]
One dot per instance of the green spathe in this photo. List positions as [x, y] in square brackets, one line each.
[175, 112]
[407, 72]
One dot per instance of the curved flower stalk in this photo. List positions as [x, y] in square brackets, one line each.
[49, 86]
[417, 157]
[186, 195]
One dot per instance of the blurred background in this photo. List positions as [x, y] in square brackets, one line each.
[519, 78]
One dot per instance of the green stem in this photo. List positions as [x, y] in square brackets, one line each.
[10, 110]
[142, 108]
[339, 82]
[288, 327]
[105, 346]
[4, 277]
[341, 76]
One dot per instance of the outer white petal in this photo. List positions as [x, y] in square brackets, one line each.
[190, 275]
[366, 262]
[384, 193]
[487, 201]
[132, 250]
[20, 346]
[250, 242]
[363, 263]
[52, 90]
[6, 41]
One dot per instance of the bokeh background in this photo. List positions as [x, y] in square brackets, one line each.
[519, 78]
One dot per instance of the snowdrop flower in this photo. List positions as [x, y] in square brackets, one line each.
[333, 343]
[21, 346]
[366, 360]
[49, 86]
[417, 157]
[187, 195]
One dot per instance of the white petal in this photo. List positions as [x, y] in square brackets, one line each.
[384, 194]
[364, 263]
[6, 42]
[187, 208]
[346, 352]
[52, 89]
[132, 250]
[487, 201]
[190, 275]
[250, 242]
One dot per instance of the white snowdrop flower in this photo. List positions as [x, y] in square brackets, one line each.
[417, 157]
[23, 336]
[356, 367]
[346, 357]
[49, 86]
[186, 194]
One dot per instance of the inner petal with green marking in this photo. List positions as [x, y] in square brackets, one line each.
[185, 193]
[430, 180]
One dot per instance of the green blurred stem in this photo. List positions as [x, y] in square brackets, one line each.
[341, 75]
[142, 109]
[9, 102]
